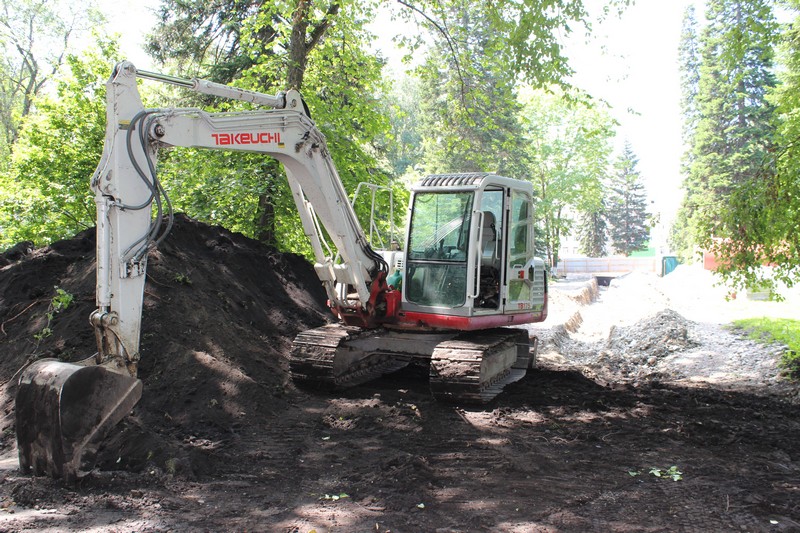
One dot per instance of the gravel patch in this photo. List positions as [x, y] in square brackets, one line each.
[646, 329]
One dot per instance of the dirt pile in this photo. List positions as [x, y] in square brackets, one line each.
[669, 329]
[632, 351]
[220, 312]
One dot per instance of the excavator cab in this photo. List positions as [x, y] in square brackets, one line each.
[469, 260]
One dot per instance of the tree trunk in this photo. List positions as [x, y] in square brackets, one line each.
[300, 44]
[265, 223]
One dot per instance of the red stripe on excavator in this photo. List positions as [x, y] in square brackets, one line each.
[470, 323]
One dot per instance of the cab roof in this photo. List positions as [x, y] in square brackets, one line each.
[468, 181]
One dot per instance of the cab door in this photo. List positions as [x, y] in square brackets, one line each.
[519, 264]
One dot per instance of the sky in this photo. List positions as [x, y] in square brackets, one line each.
[131, 19]
[631, 62]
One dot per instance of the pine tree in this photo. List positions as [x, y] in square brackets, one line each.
[593, 233]
[627, 205]
[759, 225]
[731, 134]
[689, 58]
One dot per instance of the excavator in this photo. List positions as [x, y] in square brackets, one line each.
[449, 299]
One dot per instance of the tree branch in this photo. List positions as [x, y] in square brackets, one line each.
[319, 29]
[450, 44]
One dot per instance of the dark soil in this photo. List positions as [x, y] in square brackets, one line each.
[223, 441]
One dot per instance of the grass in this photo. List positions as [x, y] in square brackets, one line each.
[783, 330]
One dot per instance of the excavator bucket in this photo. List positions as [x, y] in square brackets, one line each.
[64, 411]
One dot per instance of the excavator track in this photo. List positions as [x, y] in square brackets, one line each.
[473, 367]
[467, 367]
[327, 358]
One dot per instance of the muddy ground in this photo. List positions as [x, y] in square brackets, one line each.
[625, 396]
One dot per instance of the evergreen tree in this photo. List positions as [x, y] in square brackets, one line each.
[689, 58]
[627, 206]
[734, 130]
[680, 237]
[593, 233]
[766, 207]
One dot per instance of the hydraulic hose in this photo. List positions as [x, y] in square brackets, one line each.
[142, 122]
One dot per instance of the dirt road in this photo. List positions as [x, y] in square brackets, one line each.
[646, 426]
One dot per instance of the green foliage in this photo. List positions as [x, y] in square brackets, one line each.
[35, 38]
[734, 203]
[593, 233]
[627, 206]
[403, 145]
[60, 301]
[334, 497]
[766, 207]
[259, 49]
[171, 466]
[783, 330]
[46, 187]
[469, 115]
[182, 279]
[661, 473]
[467, 120]
[669, 473]
[568, 150]
[524, 38]
[689, 57]
[218, 187]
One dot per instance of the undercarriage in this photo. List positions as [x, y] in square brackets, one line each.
[465, 367]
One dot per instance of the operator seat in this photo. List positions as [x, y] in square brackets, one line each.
[489, 240]
[489, 286]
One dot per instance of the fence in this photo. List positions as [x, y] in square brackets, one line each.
[595, 265]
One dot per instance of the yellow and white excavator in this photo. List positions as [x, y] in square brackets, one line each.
[465, 273]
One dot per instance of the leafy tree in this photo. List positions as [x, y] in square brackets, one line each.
[35, 37]
[469, 116]
[479, 53]
[568, 150]
[287, 44]
[524, 38]
[403, 146]
[271, 46]
[46, 189]
[627, 205]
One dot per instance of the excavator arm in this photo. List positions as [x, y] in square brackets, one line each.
[64, 410]
[127, 187]
[290, 137]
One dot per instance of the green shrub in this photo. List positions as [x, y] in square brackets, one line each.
[783, 330]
